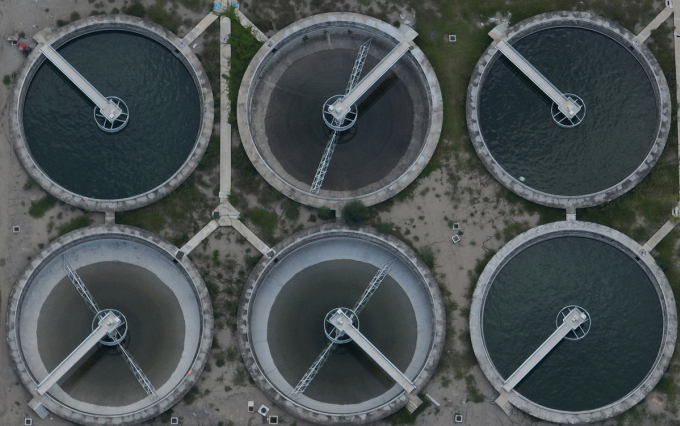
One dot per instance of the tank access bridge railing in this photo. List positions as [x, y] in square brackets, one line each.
[107, 325]
[566, 105]
[343, 105]
[573, 320]
[343, 323]
[109, 110]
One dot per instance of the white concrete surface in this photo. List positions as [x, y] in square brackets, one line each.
[342, 106]
[343, 323]
[566, 106]
[656, 22]
[572, 321]
[199, 28]
[659, 235]
[109, 109]
[106, 325]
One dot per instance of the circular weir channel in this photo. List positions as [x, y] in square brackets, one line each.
[285, 129]
[315, 273]
[167, 328]
[599, 369]
[85, 159]
[529, 146]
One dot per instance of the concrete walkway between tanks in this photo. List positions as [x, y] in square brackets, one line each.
[644, 34]
[225, 214]
[656, 22]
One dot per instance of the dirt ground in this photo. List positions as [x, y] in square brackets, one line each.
[474, 203]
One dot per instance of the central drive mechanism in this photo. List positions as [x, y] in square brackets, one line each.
[117, 335]
[335, 335]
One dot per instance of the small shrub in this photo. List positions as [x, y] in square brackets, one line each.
[266, 220]
[73, 224]
[135, 9]
[385, 227]
[251, 261]
[191, 396]
[239, 377]
[292, 210]
[30, 183]
[166, 416]
[75, 16]
[325, 213]
[312, 218]
[192, 4]
[6, 80]
[427, 255]
[40, 207]
[355, 213]
[61, 22]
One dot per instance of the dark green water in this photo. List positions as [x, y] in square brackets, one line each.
[367, 152]
[155, 336]
[164, 116]
[296, 335]
[624, 339]
[615, 137]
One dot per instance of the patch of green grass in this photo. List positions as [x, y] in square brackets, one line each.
[355, 213]
[385, 227]
[265, 220]
[211, 158]
[185, 210]
[159, 14]
[473, 391]
[42, 206]
[73, 224]
[403, 417]
[427, 255]
[135, 9]
[165, 417]
[667, 386]
[194, 5]
[325, 213]
[191, 396]
[243, 47]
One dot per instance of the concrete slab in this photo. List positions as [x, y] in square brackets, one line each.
[198, 29]
[571, 322]
[659, 235]
[656, 22]
[342, 322]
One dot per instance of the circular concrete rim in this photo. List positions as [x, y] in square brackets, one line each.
[337, 199]
[288, 246]
[603, 26]
[148, 239]
[98, 23]
[619, 241]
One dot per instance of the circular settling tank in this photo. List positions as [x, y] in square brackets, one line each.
[598, 370]
[167, 330]
[303, 66]
[320, 270]
[594, 61]
[82, 158]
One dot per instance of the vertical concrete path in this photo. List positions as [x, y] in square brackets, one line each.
[225, 214]
[644, 34]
